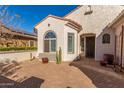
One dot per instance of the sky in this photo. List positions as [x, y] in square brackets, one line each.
[30, 15]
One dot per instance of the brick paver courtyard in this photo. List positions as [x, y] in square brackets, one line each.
[52, 74]
[85, 73]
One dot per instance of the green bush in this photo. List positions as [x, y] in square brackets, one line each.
[16, 48]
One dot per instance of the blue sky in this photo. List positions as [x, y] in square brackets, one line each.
[32, 14]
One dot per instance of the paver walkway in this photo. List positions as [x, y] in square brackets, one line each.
[102, 77]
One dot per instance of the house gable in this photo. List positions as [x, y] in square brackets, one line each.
[96, 21]
[54, 20]
[48, 20]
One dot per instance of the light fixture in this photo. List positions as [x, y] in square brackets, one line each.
[88, 10]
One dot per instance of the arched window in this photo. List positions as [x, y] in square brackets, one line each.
[50, 42]
[106, 39]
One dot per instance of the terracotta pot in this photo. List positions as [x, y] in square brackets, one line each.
[103, 63]
[45, 60]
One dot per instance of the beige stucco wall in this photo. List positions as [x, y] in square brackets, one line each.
[55, 25]
[101, 48]
[17, 56]
[61, 30]
[95, 23]
[69, 56]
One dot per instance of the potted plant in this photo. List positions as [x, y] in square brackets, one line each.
[107, 59]
[45, 60]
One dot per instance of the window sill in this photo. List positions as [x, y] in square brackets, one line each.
[70, 52]
[49, 52]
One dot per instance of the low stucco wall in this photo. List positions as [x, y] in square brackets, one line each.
[18, 56]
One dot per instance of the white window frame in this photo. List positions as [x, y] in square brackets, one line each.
[73, 50]
[49, 40]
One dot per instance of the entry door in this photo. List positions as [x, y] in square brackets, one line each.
[90, 47]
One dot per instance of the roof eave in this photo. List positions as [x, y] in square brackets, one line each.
[121, 15]
[75, 27]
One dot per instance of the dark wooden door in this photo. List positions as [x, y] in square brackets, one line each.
[90, 47]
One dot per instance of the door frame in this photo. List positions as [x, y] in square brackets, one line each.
[83, 53]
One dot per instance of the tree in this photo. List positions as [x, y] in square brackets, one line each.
[9, 19]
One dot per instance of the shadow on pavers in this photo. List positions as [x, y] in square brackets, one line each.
[32, 82]
[100, 80]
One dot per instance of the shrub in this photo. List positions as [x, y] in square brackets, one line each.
[17, 48]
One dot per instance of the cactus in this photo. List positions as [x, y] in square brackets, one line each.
[59, 56]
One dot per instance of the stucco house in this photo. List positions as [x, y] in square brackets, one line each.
[88, 30]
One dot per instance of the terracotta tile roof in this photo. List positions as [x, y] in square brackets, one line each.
[14, 32]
